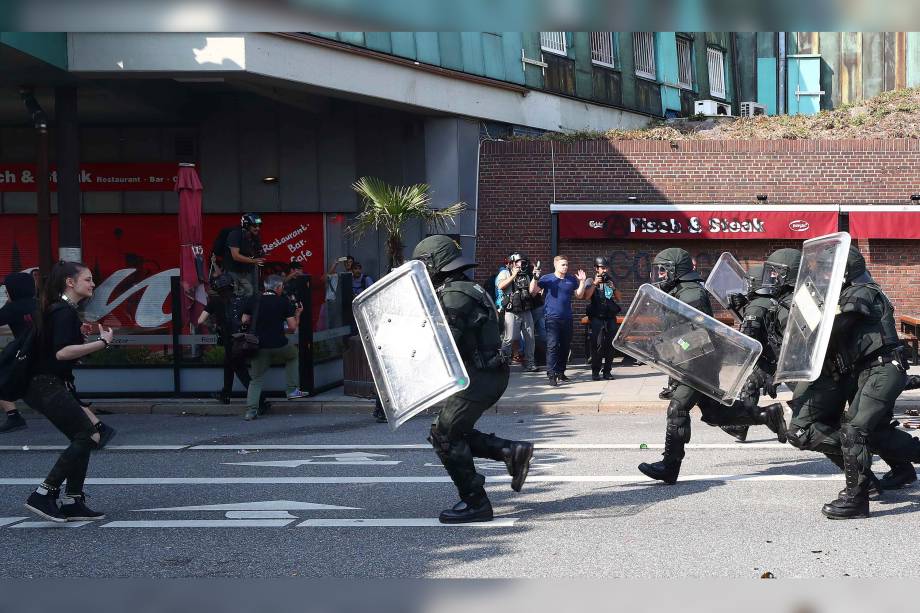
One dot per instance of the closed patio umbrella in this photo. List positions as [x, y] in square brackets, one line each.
[191, 253]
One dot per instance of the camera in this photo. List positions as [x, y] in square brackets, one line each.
[605, 278]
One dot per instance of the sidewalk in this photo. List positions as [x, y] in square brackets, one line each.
[634, 389]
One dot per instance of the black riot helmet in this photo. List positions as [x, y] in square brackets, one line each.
[856, 271]
[755, 274]
[601, 261]
[249, 220]
[670, 266]
[780, 270]
[441, 254]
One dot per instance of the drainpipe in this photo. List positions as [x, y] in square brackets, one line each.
[781, 66]
[736, 74]
[42, 189]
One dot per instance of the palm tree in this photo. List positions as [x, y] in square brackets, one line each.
[390, 207]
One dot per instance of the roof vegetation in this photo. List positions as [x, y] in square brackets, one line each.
[892, 114]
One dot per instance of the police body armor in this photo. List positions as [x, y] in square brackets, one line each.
[868, 333]
[518, 297]
[693, 293]
[479, 342]
[602, 307]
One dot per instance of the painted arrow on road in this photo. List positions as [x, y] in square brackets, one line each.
[355, 458]
[260, 514]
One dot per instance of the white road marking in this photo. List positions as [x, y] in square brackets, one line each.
[355, 458]
[201, 523]
[6, 521]
[51, 524]
[399, 522]
[259, 515]
[412, 447]
[262, 505]
[414, 479]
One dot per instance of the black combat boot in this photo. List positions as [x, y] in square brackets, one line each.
[875, 486]
[472, 508]
[668, 468]
[853, 501]
[739, 433]
[901, 474]
[517, 460]
[772, 417]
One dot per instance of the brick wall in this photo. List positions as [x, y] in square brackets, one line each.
[519, 180]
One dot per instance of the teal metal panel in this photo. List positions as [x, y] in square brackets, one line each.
[50, 47]
[378, 41]
[913, 59]
[629, 70]
[766, 44]
[804, 77]
[533, 76]
[403, 44]
[580, 49]
[492, 55]
[766, 83]
[511, 57]
[471, 52]
[666, 69]
[427, 47]
[450, 47]
[352, 38]
[747, 65]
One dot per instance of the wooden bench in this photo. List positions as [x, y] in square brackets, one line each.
[908, 335]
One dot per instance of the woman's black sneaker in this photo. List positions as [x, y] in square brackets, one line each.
[76, 509]
[45, 506]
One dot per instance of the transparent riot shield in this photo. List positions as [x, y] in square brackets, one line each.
[728, 277]
[410, 350]
[814, 305]
[686, 344]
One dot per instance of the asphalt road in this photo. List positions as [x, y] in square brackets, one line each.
[218, 497]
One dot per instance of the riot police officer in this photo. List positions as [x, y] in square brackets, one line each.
[675, 273]
[603, 309]
[474, 324]
[863, 356]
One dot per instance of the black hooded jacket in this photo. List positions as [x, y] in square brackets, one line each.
[18, 312]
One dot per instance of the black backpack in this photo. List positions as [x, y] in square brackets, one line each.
[219, 250]
[16, 362]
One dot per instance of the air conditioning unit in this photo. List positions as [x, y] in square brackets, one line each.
[712, 108]
[752, 109]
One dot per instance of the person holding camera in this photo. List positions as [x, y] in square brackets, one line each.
[518, 304]
[603, 309]
[225, 312]
[244, 254]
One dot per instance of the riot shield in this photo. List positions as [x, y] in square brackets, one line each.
[690, 346]
[409, 347]
[728, 277]
[814, 305]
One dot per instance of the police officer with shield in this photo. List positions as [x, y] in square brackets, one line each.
[474, 325]
[674, 271]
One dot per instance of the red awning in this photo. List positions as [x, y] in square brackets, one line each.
[683, 221]
[883, 221]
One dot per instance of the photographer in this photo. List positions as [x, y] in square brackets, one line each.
[518, 304]
[602, 311]
[244, 254]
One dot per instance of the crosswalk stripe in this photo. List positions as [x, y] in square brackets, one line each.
[399, 522]
[415, 479]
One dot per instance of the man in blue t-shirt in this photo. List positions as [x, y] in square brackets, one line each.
[558, 289]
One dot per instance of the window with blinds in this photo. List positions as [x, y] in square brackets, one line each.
[554, 42]
[716, 73]
[603, 49]
[684, 63]
[644, 54]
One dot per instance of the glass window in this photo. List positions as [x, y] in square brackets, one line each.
[644, 53]
[684, 63]
[716, 73]
[554, 42]
[603, 49]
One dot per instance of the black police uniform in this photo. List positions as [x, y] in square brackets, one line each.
[473, 323]
[685, 284]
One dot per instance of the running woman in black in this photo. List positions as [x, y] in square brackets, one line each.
[51, 391]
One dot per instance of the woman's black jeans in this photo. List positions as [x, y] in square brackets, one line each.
[50, 396]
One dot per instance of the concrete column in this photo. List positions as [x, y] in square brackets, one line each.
[452, 171]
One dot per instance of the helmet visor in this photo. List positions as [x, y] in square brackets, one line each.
[661, 272]
[774, 275]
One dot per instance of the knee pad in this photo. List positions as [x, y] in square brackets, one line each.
[851, 436]
[798, 438]
[679, 420]
[438, 440]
